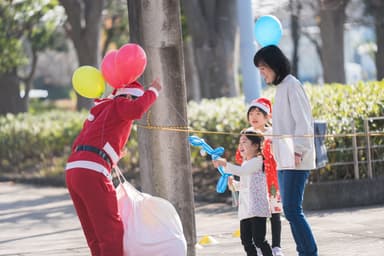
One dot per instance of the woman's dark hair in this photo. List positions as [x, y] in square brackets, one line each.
[274, 58]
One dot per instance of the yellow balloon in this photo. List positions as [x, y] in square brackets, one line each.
[88, 82]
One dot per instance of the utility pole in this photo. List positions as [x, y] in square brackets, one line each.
[251, 75]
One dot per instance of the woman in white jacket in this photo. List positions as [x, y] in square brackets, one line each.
[293, 143]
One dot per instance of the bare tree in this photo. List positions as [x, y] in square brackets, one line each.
[295, 7]
[191, 74]
[331, 22]
[212, 26]
[376, 9]
[83, 27]
[115, 25]
[10, 102]
[10, 82]
[164, 154]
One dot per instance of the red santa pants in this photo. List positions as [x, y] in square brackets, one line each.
[94, 198]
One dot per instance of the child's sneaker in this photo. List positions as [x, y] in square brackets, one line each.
[276, 251]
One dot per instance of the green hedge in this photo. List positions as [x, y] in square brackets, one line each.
[28, 141]
[40, 143]
[338, 105]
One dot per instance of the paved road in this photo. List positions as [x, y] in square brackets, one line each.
[41, 221]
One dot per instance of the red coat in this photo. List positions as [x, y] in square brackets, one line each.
[108, 127]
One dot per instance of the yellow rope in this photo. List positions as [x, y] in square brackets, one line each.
[191, 130]
[187, 129]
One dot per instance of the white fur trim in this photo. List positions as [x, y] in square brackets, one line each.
[111, 152]
[91, 117]
[131, 91]
[90, 166]
[154, 90]
[260, 106]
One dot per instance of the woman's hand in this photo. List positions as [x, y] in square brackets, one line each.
[298, 158]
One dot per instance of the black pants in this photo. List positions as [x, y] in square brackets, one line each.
[252, 234]
[276, 229]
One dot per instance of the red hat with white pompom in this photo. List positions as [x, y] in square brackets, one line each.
[261, 103]
[134, 89]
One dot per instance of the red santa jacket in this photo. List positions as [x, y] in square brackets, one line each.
[107, 128]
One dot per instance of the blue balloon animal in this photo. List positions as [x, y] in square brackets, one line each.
[221, 185]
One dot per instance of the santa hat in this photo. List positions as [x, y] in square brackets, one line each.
[134, 89]
[261, 103]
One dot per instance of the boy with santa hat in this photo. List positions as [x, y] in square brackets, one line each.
[95, 151]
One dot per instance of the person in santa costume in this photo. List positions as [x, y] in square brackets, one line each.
[95, 151]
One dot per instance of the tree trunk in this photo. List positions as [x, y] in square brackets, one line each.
[11, 102]
[165, 155]
[85, 20]
[379, 27]
[191, 73]
[332, 18]
[16, 103]
[28, 80]
[295, 8]
[212, 25]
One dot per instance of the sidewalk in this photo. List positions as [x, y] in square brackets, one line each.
[41, 221]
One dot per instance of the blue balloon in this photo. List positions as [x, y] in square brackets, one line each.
[268, 30]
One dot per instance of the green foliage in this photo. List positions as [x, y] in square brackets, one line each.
[337, 103]
[41, 143]
[28, 139]
[33, 21]
[32, 144]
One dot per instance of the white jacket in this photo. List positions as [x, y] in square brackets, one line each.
[292, 126]
[253, 195]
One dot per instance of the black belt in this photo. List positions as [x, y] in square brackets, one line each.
[100, 152]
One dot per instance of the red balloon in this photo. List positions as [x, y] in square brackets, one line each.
[131, 61]
[109, 71]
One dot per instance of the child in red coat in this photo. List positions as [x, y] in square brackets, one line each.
[258, 115]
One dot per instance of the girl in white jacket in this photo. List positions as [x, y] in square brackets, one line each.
[254, 206]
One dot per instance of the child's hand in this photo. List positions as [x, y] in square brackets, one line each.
[219, 162]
